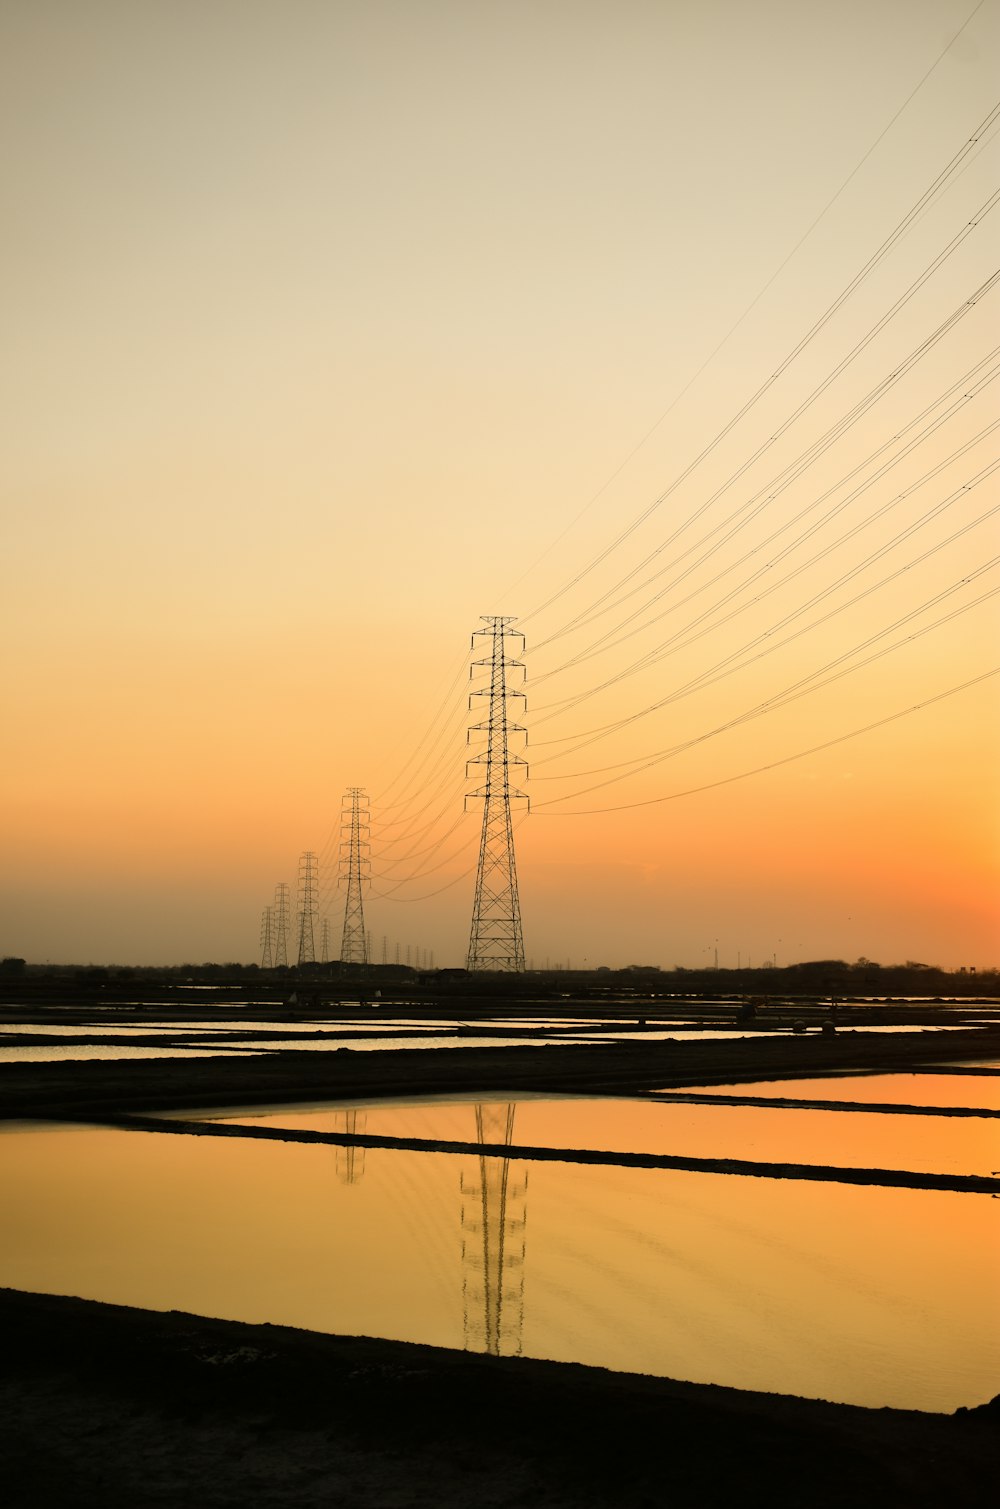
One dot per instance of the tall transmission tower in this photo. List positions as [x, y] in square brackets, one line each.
[266, 938]
[280, 924]
[496, 941]
[354, 829]
[308, 891]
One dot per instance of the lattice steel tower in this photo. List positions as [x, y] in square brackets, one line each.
[308, 892]
[280, 924]
[496, 941]
[354, 829]
[267, 938]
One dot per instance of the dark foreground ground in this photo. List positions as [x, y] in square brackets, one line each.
[102, 1406]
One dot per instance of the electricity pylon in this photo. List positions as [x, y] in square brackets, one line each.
[324, 955]
[266, 932]
[494, 1211]
[354, 828]
[308, 889]
[496, 941]
[280, 924]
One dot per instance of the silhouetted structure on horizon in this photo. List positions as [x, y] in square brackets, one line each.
[355, 826]
[496, 942]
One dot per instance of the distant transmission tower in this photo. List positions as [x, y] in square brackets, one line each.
[280, 924]
[496, 941]
[354, 829]
[308, 891]
[266, 938]
[324, 956]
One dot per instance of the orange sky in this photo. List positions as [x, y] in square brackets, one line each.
[333, 327]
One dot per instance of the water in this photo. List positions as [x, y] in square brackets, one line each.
[73, 1052]
[376, 1044]
[96, 1028]
[763, 1134]
[975, 1091]
[870, 1296]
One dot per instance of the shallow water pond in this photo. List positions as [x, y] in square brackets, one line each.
[976, 1091]
[766, 1134]
[871, 1296]
[74, 1052]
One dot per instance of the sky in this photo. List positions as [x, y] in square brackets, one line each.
[659, 326]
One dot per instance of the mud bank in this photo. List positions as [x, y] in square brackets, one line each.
[89, 1088]
[107, 1406]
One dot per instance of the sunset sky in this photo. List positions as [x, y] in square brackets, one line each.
[331, 326]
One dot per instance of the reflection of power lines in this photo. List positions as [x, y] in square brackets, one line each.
[350, 1159]
[494, 1212]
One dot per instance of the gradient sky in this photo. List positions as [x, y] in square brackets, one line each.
[332, 326]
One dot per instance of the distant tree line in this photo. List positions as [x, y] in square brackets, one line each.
[823, 977]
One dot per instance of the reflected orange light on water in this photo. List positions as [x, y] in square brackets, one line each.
[866, 1295]
[754, 1133]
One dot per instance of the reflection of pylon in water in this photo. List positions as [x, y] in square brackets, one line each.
[351, 1159]
[494, 1203]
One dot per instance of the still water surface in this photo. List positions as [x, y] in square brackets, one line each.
[872, 1296]
[766, 1134]
[37, 1054]
[977, 1091]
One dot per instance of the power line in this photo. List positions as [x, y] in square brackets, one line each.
[931, 193]
[748, 310]
[803, 688]
[677, 642]
[959, 313]
[720, 670]
[787, 759]
[968, 386]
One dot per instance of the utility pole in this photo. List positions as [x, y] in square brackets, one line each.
[496, 941]
[355, 820]
[308, 889]
[281, 910]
